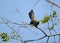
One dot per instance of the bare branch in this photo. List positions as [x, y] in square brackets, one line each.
[53, 3]
[47, 40]
[59, 38]
[18, 11]
[15, 31]
[42, 31]
[36, 3]
[11, 37]
[54, 40]
[41, 38]
[48, 27]
[34, 40]
[4, 21]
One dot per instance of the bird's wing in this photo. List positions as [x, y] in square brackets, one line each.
[31, 15]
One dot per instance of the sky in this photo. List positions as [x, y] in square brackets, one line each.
[8, 10]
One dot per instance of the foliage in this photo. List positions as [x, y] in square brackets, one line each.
[4, 36]
[49, 18]
[53, 15]
[52, 27]
[45, 19]
[14, 35]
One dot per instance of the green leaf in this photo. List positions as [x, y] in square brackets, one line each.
[5, 39]
[13, 32]
[4, 36]
[54, 24]
[54, 12]
[51, 28]
[50, 15]
[45, 19]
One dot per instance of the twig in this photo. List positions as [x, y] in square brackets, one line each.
[16, 32]
[42, 31]
[36, 3]
[8, 21]
[41, 38]
[48, 27]
[34, 40]
[59, 38]
[47, 40]
[53, 26]
[54, 39]
[14, 38]
[53, 3]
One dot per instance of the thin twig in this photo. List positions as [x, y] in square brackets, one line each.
[16, 32]
[8, 21]
[53, 26]
[54, 39]
[48, 29]
[59, 38]
[42, 31]
[47, 40]
[11, 37]
[34, 40]
[36, 3]
[53, 3]
[41, 38]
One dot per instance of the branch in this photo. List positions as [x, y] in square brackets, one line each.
[48, 2]
[34, 40]
[42, 31]
[47, 40]
[59, 38]
[41, 38]
[36, 3]
[5, 21]
[53, 3]
[16, 32]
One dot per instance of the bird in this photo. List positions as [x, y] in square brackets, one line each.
[33, 19]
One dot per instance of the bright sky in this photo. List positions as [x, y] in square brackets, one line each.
[8, 10]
